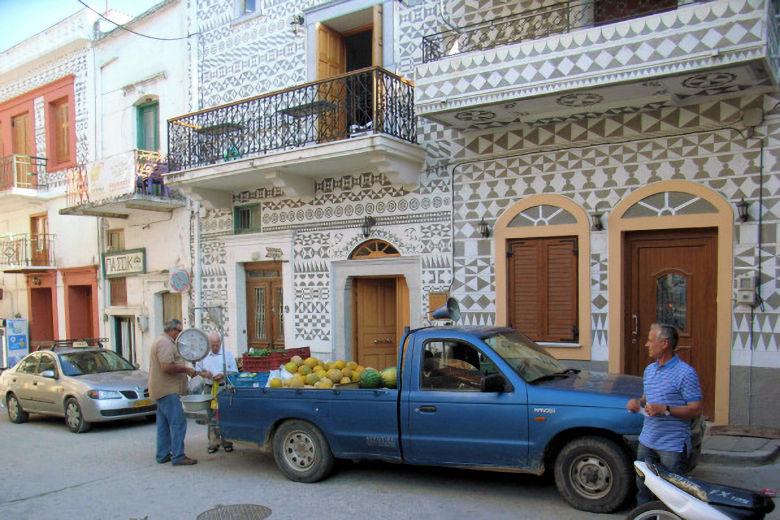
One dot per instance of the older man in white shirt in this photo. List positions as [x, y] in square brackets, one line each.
[212, 369]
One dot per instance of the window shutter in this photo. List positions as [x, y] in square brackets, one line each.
[524, 266]
[543, 288]
[561, 290]
[62, 131]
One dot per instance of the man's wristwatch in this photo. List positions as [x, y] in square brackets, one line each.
[668, 411]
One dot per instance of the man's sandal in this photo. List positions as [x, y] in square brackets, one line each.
[228, 448]
[213, 449]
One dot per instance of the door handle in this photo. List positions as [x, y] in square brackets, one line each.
[383, 340]
[427, 409]
[635, 318]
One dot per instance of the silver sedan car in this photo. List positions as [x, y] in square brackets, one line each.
[83, 385]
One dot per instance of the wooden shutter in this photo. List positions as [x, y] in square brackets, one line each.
[376, 36]
[62, 131]
[543, 288]
[171, 306]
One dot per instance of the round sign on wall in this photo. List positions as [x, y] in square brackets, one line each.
[179, 281]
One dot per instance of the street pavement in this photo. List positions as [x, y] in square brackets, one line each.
[110, 473]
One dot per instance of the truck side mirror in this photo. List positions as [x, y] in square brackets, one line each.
[495, 383]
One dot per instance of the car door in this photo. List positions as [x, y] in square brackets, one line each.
[47, 390]
[21, 382]
[451, 422]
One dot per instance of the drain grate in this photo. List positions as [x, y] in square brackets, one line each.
[236, 512]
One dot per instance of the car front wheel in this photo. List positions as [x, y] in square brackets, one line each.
[593, 474]
[15, 412]
[74, 418]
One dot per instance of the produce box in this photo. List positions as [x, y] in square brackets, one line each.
[273, 359]
[248, 379]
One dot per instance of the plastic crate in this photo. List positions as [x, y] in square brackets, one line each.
[257, 380]
[273, 360]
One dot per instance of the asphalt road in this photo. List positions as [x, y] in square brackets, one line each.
[110, 473]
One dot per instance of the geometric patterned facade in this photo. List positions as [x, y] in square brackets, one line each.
[594, 159]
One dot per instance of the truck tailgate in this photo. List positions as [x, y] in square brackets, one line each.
[358, 423]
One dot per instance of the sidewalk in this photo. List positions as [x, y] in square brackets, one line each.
[740, 445]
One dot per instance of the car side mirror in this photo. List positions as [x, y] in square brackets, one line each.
[49, 374]
[495, 383]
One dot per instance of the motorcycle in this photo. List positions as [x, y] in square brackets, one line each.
[686, 498]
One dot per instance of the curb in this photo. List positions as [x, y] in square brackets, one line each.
[766, 455]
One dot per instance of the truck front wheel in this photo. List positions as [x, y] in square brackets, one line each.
[301, 451]
[593, 474]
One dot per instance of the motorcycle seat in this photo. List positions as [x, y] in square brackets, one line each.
[717, 494]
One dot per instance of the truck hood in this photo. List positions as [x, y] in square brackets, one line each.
[587, 389]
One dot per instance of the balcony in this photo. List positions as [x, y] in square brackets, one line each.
[121, 185]
[25, 253]
[588, 58]
[22, 180]
[353, 123]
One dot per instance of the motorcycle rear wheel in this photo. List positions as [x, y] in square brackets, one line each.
[655, 510]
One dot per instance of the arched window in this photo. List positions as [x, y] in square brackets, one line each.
[374, 249]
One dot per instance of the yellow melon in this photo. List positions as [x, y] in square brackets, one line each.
[339, 363]
[345, 380]
[275, 383]
[291, 367]
[312, 378]
[334, 374]
[296, 381]
[324, 383]
[304, 370]
[298, 360]
[311, 362]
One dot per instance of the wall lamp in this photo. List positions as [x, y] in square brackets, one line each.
[596, 222]
[36, 281]
[296, 24]
[368, 223]
[484, 228]
[742, 210]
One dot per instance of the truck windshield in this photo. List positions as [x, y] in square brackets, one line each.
[528, 359]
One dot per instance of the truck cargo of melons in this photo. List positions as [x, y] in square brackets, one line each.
[515, 409]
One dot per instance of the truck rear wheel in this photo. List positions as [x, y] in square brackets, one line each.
[593, 474]
[302, 452]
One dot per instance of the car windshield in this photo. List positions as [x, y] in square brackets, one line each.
[93, 362]
[529, 360]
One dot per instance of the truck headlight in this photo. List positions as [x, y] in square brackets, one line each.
[104, 394]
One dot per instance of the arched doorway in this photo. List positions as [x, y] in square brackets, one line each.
[670, 249]
[380, 308]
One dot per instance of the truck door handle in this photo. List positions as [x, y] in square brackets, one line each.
[427, 409]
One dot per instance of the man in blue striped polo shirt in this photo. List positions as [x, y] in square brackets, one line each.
[672, 399]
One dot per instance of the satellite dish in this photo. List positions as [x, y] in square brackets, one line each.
[448, 311]
[193, 344]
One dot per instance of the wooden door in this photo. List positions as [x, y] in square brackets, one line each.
[375, 310]
[21, 144]
[41, 315]
[264, 306]
[671, 278]
[80, 312]
[331, 62]
[39, 239]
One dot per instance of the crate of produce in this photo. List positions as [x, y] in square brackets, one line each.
[273, 359]
[248, 379]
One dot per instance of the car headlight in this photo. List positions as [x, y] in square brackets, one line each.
[104, 394]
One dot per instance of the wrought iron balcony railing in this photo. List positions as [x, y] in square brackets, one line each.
[558, 18]
[370, 100]
[22, 171]
[148, 169]
[23, 251]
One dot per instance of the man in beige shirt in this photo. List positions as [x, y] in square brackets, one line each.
[167, 383]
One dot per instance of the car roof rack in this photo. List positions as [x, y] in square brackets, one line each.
[62, 344]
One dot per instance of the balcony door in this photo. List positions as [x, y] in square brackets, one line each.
[21, 144]
[264, 305]
[39, 239]
[346, 45]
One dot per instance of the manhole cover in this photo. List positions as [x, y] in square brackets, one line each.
[236, 512]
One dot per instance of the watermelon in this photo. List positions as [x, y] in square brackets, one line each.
[389, 377]
[370, 378]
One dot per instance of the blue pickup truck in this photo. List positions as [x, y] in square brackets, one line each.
[484, 398]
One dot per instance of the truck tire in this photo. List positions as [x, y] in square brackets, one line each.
[302, 452]
[593, 474]
[15, 411]
[655, 510]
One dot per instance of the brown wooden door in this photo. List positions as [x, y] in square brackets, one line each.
[80, 312]
[264, 306]
[39, 240]
[376, 312]
[331, 62]
[672, 279]
[21, 144]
